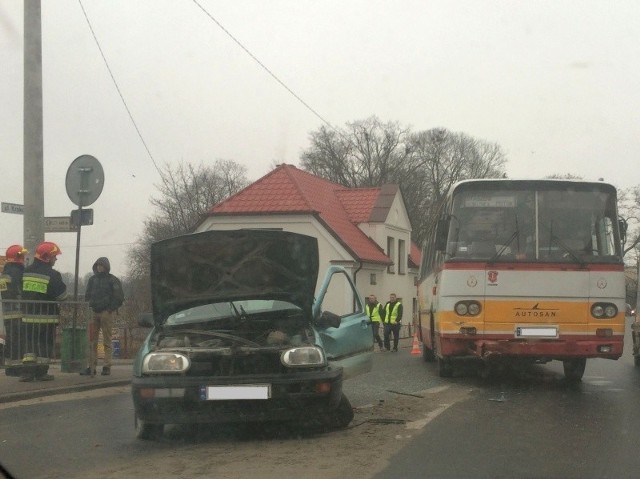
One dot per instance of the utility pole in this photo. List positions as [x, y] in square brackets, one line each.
[33, 149]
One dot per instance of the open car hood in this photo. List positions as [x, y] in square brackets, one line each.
[215, 266]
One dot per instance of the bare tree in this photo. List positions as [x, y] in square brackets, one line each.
[438, 159]
[366, 153]
[187, 192]
[425, 164]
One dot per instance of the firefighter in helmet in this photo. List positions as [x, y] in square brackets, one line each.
[42, 288]
[10, 289]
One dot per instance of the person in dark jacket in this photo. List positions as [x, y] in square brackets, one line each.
[105, 296]
[10, 289]
[42, 289]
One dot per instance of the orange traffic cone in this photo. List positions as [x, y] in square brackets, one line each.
[415, 347]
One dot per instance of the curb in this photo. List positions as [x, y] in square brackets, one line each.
[36, 393]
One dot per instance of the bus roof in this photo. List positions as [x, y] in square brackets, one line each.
[509, 183]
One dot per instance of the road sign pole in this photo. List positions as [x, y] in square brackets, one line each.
[75, 289]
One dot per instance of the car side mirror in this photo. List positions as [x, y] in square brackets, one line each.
[328, 320]
[145, 320]
[442, 232]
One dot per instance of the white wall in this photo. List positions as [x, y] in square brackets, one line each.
[331, 251]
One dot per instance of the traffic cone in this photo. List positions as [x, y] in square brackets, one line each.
[415, 347]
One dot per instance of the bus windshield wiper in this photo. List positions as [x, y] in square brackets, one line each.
[514, 235]
[567, 250]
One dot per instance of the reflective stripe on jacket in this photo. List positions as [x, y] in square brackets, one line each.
[375, 314]
[391, 315]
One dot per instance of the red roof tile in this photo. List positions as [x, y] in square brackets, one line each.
[289, 190]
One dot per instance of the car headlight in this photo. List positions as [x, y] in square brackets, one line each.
[303, 357]
[155, 363]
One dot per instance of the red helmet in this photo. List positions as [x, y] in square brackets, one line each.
[47, 250]
[15, 254]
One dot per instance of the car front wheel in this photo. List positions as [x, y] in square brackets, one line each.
[148, 431]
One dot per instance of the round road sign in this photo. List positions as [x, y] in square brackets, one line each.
[85, 179]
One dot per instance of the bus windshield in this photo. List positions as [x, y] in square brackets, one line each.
[544, 224]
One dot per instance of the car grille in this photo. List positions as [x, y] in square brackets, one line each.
[232, 365]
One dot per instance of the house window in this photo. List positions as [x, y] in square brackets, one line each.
[402, 257]
[372, 278]
[391, 253]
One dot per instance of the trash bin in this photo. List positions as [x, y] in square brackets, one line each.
[73, 353]
[115, 348]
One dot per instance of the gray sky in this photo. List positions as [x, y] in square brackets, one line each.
[555, 83]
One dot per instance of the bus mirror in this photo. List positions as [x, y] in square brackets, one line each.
[442, 231]
[622, 225]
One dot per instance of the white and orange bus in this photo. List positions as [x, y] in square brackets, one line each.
[524, 271]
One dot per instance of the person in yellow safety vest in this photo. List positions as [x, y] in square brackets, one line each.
[375, 311]
[392, 319]
[42, 287]
[10, 289]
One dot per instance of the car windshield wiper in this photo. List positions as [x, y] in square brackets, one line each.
[242, 314]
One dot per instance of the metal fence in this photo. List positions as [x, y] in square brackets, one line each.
[38, 332]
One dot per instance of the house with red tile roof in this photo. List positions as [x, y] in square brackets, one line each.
[365, 230]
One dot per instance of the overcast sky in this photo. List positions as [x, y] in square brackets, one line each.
[555, 83]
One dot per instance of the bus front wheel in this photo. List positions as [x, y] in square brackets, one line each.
[427, 353]
[574, 368]
[445, 368]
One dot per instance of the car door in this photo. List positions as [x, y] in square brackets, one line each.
[350, 345]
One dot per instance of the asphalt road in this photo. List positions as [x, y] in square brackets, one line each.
[527, 425]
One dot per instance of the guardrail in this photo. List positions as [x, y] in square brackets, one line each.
[44, 331]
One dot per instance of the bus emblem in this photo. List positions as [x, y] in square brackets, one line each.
[493, 276]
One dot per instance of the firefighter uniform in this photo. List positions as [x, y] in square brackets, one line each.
[42, 288]
[10, 288]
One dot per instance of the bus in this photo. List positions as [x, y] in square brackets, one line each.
[523, 271]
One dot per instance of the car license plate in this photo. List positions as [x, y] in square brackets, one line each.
[536, 332]
[244, 391]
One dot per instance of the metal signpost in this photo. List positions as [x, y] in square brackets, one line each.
[84, 182]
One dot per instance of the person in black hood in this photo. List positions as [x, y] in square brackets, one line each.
[104, 295]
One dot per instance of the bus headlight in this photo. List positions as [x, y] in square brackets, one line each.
[604, 310]
[474, 308]
[467, 308]
[610, 311]
[461, 309]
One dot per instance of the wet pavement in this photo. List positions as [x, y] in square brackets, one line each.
[11, 389]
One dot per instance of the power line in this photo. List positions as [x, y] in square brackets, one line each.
[273, 75]
[104, 58]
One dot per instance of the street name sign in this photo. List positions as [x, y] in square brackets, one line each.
[12, 208]
[58, 224]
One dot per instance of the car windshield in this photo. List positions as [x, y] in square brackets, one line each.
[229, 309]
